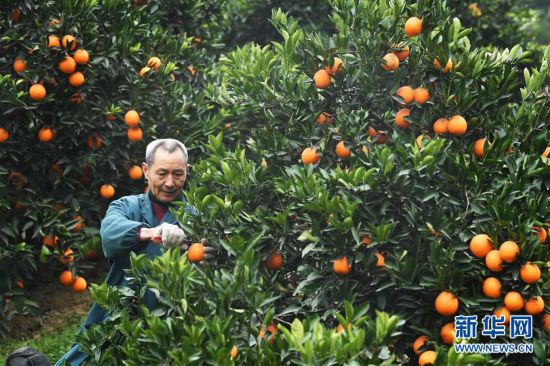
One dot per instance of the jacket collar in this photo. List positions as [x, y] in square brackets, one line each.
[147, 210]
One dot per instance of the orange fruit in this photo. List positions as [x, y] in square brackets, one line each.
[530, 273]
[77, 79]
[546, 322]
[135, 172]
[322, 79]
[15, 14]
[135, 134]
[37, 92]
[45, 134]
[508, 251]
[144, 70]
[403, 53]
[107, 191]
[421, 95]
[400, 120]
[480, 245]
[365, 150]
[233, 352]
[534, 306]
[274, 261]
[323, 118]
[53, 41]
[478, 148]
[76, 98]
[457, 125]
[380, 262]
[4, 135]
[492, 287]
[391, 62]
[419, 139]
[191, 69]
[80, 223]
[540, 232]
[342, 151]
[69, 41]
[448, 66]
[446, 303]
[94, 141]
[17, 178]
[67, 65]
[441, 126]
[406, 93]
[448, 333]
[493, 261]
[335, 66]
[427, 358]
[341, 266]
[503, 311]
[340, 328]
[81, 56]
[413, 26]
[79, 284]
[513, 301]
[20, 283]
[67, 256]
[366, 240]
[50, 240]
[546, 152]
[19, 65]
[310, 156]
[131, 118]
[195, 253]
[66, 278]
[154, 63]
[419, 343]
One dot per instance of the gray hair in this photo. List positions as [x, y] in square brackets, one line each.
[170, 145]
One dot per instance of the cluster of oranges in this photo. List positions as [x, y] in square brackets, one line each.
[67, 65]
[481, 247]
[408, 95]
[132, 119]
[66, 258]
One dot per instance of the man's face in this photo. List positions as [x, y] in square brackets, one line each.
[166, 176]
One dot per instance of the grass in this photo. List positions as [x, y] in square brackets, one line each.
[54, 342]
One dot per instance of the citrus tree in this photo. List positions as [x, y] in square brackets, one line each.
[390, 162]
[84, 85]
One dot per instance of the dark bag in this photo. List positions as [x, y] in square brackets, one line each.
[27, 356]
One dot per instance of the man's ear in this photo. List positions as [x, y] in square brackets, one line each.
[145, 169]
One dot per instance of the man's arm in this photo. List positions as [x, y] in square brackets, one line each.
[119, 234]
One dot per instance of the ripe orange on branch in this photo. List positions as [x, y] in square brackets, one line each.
[341, 266]
[508, 251]
[478, 148]
[66, 278]
[81, 56]
[53, 41]
[413, 26]
[441, 126]
[154, 63]
[457, 125]
[534, 306]
[19, 65]
[400, 120]
[493, 261]
[135, 172]
[419, 343]
[69, 41]
[107, 191]
[77, 79]
[37, 92]
[135, 134]
[132, 118]
[322, 79]
[342, 151]
[45, 134]
[333, 70]
[530, 273]
[195, 253]
[480, 245]
[492, 287]
[79, 284]
[448, 333]
[391, 62]
[406, 93]
[448, 66]
[4, 135]
[67, 65]
[513, 301]
[421, 95]
[446, 303]
[310, 156]
[274, 261]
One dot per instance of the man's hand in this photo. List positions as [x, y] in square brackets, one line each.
[209, 252]
[165, 234]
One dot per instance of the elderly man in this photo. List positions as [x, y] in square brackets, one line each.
[142, 223]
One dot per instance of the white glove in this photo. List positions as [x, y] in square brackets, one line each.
[170, 235]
